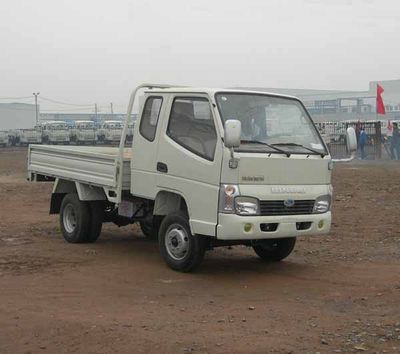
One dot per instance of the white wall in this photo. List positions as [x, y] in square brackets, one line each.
[17, 115]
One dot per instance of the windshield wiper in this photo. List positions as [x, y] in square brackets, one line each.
[287, 153]
[322, 154]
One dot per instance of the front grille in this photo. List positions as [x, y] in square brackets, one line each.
[278, 207]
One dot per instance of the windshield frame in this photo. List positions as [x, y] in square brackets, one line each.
[295, 99]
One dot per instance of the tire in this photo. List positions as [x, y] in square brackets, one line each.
[150, 229]
[175, 229]
[275, 249]
[96, 221]
[75, 219]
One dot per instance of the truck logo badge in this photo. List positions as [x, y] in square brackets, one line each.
[288, 190]
[252, 178]
[288, 203]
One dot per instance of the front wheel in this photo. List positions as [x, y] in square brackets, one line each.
[275, 249]
[181, 250]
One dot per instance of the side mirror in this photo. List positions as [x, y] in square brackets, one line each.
[351, 139]
[233, 130]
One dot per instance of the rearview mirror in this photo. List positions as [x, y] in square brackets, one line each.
[233, 130]
[351, 139]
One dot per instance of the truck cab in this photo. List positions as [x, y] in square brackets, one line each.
[110, 132]
[129, 134]
[273, 184]
[55, 132]
[83, 131]
[30, 136]
[207, 168]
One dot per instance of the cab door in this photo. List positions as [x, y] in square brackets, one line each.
[189, 158]
[144, 148]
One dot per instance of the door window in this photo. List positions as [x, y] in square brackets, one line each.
[151, 112]
[191, 125]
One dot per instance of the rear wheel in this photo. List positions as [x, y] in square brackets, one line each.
[75, 218]
[275, 249]
[96, 220]
[181, 250]
[150, 228]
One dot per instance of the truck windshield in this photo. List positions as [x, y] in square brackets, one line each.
[113, 125]
[276, 121]
[85, 126]
[58, 127]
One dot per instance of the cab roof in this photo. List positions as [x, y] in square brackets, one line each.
[211, 91]
[54, 122]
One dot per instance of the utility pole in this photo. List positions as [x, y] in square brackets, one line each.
[112, 110]
[95, 110]
[36, 106]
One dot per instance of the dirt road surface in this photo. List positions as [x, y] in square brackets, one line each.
[335, 294]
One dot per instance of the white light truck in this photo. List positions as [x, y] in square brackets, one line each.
[83, 131]
[110, 132]
[207, 168]
[4, 139]
[30, 136]
[55, 132]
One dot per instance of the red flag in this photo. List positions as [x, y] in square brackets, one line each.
[380, 107]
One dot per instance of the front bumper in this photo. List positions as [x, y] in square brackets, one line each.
[232, 226]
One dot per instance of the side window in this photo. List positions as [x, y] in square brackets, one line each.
[191, 125]
[151, 112]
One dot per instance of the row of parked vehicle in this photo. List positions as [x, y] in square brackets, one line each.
[59, 132]
[335, 132]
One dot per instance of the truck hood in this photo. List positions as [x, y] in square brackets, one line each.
[276, 169]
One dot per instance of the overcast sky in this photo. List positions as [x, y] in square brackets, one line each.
[97, 51]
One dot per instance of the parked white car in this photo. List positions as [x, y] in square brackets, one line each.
[4, 139]
[55, 132]
[110, 132]
[30, 136]
[83, 132]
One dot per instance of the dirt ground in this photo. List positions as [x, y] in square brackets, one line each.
[335, 294]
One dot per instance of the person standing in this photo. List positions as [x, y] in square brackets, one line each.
[358, 131]
[395, 143]
[362, 141]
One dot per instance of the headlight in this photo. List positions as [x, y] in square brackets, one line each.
[322, 204]
[246, 206]
[227, 194]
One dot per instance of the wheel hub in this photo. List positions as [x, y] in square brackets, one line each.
[69, 218]
[177, 242]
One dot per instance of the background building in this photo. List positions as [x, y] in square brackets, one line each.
[340, 105]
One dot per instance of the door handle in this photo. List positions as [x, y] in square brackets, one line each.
[162, 167]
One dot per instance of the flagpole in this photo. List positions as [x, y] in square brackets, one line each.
[376, 102]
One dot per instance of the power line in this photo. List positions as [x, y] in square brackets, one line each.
[61, 110]
[19, 108]
[64, 103]
[15, 98]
